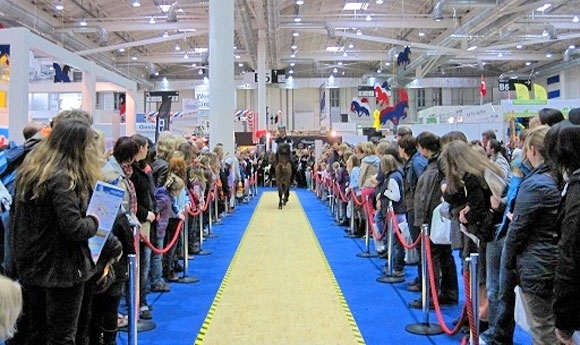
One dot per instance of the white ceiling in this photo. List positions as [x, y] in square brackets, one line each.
[509, 35]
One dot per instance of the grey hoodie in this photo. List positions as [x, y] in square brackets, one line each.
[369, 167]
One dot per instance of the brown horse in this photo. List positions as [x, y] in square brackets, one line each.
[283, 170]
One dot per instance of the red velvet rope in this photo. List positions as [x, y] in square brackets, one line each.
[400, 236]
[435, 297]
[341, 195]
[169, 246]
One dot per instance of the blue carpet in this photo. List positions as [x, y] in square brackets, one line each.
[380, 310]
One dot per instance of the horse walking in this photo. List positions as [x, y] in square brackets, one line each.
[283, 170]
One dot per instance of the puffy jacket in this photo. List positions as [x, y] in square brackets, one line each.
[160, 170]
[50, 237]
[531, 243]
[369, 167]
[566, 287]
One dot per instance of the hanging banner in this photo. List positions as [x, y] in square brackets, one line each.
[530, 108]
[483, 113]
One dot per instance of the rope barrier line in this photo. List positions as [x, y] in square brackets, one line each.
[435, 297]
[399, 233]
[371, 216]
[171, 243]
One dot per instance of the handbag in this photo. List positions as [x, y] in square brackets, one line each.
[440, 227]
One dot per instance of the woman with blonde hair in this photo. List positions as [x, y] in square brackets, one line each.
[164, 148]
[10, 307]
[51, 231]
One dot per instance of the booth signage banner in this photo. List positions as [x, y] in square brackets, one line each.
[145, 127]
[202, 97]
[483, 113]
[189, 105]
[530, 108]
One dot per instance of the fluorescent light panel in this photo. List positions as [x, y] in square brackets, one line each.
[355, 6]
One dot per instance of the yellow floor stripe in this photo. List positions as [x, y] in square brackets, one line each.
[279, 287]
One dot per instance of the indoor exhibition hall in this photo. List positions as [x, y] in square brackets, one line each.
[289, 172]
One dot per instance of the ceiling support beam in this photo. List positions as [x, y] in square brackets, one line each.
[141, 43]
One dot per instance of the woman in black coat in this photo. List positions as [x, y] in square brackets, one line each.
[51, 231]
[563, 152]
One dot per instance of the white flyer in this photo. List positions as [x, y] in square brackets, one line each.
[105, 204]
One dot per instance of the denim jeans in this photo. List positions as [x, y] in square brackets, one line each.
[540, 317]
[493, 261]
[144, 265]
[399, 251]
[415, 232]
[156, 262]
[501, 330]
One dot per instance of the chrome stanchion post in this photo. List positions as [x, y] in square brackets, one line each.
[474, 286]
[184, 279]
[201, 250]
[133, 297]
[350, 233]
[388, 277]
[216, 207]
[425, 327]
[367, 253]
[210, 233]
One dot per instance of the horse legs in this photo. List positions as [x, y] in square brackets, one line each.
[286, 193]
[280, 197]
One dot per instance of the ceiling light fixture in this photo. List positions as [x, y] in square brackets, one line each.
[572, 46]
[295, 34]
[335, 70]
[59, 6]
[294, 46]
[575, 19]
[134, 57]
[164, 8]
[344, 54]
[339, 63]
[83, 22]
[355, 6]
[543, 8]
[299, 2]
[387, 63]
[152, 20]
[291, 71]
[165, 34]
[177, 47]
[293, 55]
[121, 50]
[472, 48]
[528, 63]
[350, 45]
[237, 56]
[200, 72]
[499, 54]
[519, 46]
[136, 3]
[292, 64]
[359, 32]
[422, 33]
[379, 2]
[368, 18]
[549, 55]
[185, 56]
[241, 64]
[297, 19]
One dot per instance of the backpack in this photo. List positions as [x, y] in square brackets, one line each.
[10, 160]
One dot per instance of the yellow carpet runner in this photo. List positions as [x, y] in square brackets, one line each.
[279, 288]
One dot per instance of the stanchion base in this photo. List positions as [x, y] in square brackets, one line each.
[424, 329]
[203, 252]
[367, 255]
[187, 280]
[351, 236]
[390, 279]
[142, 326]
[211, 235]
